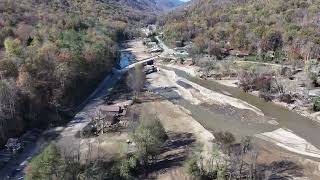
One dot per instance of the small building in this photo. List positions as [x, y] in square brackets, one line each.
[239, 53]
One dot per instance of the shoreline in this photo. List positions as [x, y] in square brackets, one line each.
[194, 71]
[280, 137]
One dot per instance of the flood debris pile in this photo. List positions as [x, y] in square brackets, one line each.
[16, 146]
[109, 118]
[152, 43]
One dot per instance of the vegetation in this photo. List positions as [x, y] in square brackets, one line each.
[285, 28]
[149, 137]
[47, 165]
[227, 161]
[53, 53]
[255, 81]
[316, 104]
[225, 140]
[136, 79]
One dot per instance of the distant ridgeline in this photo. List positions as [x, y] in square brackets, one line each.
[290, 28]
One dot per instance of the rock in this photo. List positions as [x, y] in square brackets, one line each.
[291, 107]
[266, 96]
[297, 71]
[314, 92]
[14, 145]
[316, 115]
[317, 82]
[287, 98]
[273, 122]
[286, 71]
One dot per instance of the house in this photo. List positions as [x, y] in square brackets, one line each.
[239, 53]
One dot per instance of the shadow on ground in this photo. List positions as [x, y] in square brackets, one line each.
[175, 152]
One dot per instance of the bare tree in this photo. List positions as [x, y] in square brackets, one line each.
[8, 101]
[136, 79]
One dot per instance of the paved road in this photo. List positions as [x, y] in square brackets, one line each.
[14, 168]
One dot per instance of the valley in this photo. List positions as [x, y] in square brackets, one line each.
[159, 90]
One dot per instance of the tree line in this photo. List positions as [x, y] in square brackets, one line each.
[53, 53]
[288, 28]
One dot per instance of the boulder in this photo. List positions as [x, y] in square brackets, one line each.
[287, 98]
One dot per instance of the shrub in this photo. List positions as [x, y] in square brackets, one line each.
[13, 47]
[274, 41]
[316, 104]
[225, 68]
[221, 172]
[313, 78]
[5, 32]
[266, 96]
[92, 170]
[8, 68]
[192, 168]
[246, 81]
[128, 167]
[253, 81]
[211, 167]
[225, 140]
[149, 137]
[287, 98]
[263, 82]
[47, 165]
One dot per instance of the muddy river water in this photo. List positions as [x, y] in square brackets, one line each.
[236, 121]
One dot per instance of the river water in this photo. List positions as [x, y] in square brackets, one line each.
[216, 119]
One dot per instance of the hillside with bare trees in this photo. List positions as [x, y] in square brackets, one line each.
[53, 53]
[288, 28]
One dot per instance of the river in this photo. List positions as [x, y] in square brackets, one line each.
[14, 169]
[239, 122]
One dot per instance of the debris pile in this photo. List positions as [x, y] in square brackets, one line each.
[106, 120]
[14, 145]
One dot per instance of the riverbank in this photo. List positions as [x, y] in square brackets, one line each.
[186, 105]
[163, 84]
[296, 106]
[272, 121]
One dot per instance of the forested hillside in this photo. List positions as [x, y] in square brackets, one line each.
[168, 4]
[53, 53]
[287, 27]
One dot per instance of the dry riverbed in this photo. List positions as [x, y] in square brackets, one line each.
[298, 106]
[182, 126]
[164, 81]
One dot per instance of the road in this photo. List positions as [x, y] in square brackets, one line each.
[14, 169]
[210, 118]
[166, 49]
[66, 135]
